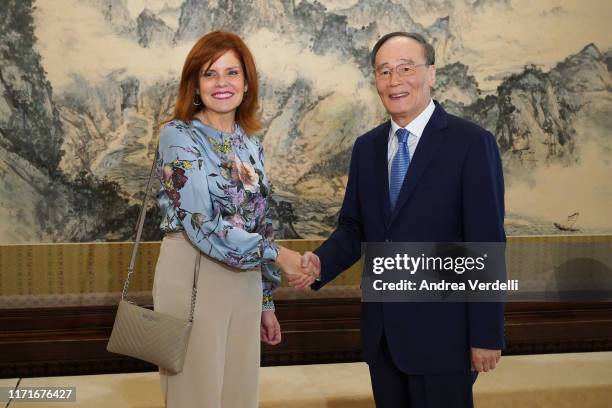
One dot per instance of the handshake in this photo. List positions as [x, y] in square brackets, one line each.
[300, 270]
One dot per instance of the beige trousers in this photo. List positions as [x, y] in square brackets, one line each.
[222, 363]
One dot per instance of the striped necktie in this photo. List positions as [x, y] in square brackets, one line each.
[399, 166]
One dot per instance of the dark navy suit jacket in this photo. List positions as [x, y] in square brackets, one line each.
[453, 192]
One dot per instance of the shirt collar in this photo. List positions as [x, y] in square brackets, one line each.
[216, 133]
[418, 124]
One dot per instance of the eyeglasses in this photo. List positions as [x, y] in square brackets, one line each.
[402, 70]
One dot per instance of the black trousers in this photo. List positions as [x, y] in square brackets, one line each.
[395, 389]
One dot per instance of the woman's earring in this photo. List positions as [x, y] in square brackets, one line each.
[197, 101]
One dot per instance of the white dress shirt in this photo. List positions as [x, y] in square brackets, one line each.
[415, 128]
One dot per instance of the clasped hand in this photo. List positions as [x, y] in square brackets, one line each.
[300, 270]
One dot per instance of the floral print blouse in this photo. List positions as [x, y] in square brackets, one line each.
[213, 187]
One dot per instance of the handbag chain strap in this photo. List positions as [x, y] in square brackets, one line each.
[139, 227]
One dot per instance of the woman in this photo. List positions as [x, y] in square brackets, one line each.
[214, 202]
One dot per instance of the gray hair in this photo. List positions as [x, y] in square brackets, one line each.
[428, 50]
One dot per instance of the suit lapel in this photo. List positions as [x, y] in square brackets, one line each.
[380, 155]
[431, 139]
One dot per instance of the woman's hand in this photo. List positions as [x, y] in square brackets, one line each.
[270, 328]
[290, 262]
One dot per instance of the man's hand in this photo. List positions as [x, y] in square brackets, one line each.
[484, 360]
[270, 330]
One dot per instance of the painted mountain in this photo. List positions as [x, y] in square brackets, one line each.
[84, 85]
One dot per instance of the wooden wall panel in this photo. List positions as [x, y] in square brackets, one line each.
[72, 341]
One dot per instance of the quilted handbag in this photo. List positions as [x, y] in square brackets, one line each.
[145, 334]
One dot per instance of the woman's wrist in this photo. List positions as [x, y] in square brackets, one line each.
[281, 258]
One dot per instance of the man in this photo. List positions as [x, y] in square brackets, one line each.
[423, 176]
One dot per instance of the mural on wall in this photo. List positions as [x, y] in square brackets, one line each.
[85, 83]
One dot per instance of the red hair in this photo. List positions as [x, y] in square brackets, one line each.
[206, 51]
